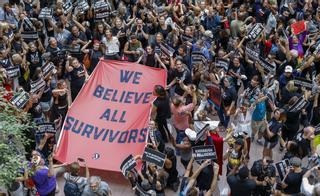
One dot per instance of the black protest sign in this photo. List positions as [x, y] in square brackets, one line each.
[222, 63]
[46, 13]
[20, 99]
[204, 152]
[30, 35]
[13, 72]
[153, 156]
[166, 50]
[101, 6]
[47, 68]
[127, 165]
[186, 38]
[83, 6]
[201, 133]
[152, 136]
[253, 55]
[298, 105]
[73, 49]
[282, 167]
[45, 128]
[198, 57]
[267, 67]
[302, 82]
[316, 51]
[67, 8]
[28, 24]
[37, 85]
[255, 31]
[102, 15]
[141, 191]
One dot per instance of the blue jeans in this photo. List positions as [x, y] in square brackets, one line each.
[180, 135]
[224, 119]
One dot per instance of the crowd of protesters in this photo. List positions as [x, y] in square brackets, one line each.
[267, 90]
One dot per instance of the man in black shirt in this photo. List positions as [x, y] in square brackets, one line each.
[240, 184]
[181, 73]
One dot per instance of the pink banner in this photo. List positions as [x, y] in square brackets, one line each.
[108, 120]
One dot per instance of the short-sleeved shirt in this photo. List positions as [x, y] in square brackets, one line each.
[181, 116]
[103, 189]
[79, 180]
[293, 180]
[43, 182]
[275, 128]
[229, 95]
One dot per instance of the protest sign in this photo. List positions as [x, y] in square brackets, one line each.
[253, 55]
[101, 6]
[222, 63]
[204, 152]
[316, 51]
[47, 68]
[255, 31]
[266, 66]
[302, 82]
[121, 95]
[300, 104]
[13, 72]
[37, 85]
[153, 156]
[20, 99]
[186, 38]
[198, 57]
[166, 50]
[201, 133]
[152, 136]
[46, 13]
[128, 164]
[28, 25]
[46, 128]
[29, 35]
[67, 8]
[102, 15]
[298, 27]
[281, 167]
[83, 6]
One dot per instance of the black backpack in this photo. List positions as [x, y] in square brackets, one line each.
[71, 188]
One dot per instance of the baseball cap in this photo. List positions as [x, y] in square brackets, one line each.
[288, 69]
[295, 162]
[192, 135]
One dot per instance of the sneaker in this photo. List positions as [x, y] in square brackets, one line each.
[259, 141]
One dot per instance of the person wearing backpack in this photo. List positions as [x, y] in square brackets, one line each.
[75, 184]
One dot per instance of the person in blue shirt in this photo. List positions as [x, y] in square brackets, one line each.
[258, 123]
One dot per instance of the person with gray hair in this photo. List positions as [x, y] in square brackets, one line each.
[95, 186]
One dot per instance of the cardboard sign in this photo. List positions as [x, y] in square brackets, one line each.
[198, 57]
[300, 104]
[128, 164]
[186, 38]
[47, 68]
[20, 99]
[83, 6]
[141, 191]
[281, 167]
[46, 13]
[45, 128]
[154, 156]
[37, 86]
[102, 15]
[298, 27]
[201, 133]
[253, 55]
[166, 50]
[67, 8]
[222, 63]
[267, 67]
[100, 6]
[204, 152]
[255, 31]
[30, 35]
[302, 82]
[13, 72]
